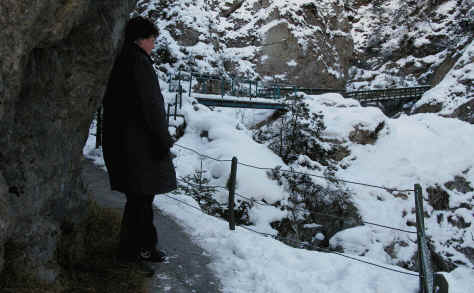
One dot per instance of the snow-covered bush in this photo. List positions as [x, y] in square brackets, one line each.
[297, 137]
[296, 133]
[313, 209]
[198, 186]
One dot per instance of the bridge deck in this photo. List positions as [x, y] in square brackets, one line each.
[241, 104]
[411, 93]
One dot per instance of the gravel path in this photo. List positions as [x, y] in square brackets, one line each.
[187, 268]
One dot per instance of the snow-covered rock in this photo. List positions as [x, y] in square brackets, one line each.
[297, 42]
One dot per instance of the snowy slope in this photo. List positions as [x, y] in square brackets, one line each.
[408, 43]
[396, 43]
[266, 40]
[426, 149]
[411, 149]
[456, 88]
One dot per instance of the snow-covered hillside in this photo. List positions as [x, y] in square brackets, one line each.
[406, 43]
[298, 42]
[408, 150]
[357, 44]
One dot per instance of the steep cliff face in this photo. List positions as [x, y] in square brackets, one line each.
[352, 44]
[306, 43]
[408, 43]
[55, 57]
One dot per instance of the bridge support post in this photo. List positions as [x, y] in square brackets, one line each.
[175, 107]
[190, 82]
[222, 87]
[168, 113]
[179, 80]
[232, 85]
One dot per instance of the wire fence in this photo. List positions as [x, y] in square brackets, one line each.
[329, 178]
[251, 199]
[261, 203]
[297, 243]
[326, 215]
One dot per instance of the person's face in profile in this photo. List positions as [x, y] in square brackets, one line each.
[147, 44]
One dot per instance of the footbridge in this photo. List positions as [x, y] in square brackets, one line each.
[401, 95]
[238, 92]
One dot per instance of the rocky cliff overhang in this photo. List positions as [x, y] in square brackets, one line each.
[55, 58]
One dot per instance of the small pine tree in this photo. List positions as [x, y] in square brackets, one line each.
[197, 186]
[298, 133]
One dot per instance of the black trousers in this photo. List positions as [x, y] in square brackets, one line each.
[137, 231]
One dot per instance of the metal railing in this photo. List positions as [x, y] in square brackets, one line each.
[244, 87]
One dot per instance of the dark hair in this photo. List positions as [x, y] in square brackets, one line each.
[139, 28]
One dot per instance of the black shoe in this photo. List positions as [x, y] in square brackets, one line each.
[152, 255]
[135, 264]
[145, 269]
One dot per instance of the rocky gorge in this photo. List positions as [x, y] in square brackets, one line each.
[55, 57]
[349, 45]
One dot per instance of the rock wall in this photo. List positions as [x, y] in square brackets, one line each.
[304, 43]
[411, 43]
[55, 58]
[318, 59]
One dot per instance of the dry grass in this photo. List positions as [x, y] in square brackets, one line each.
[98, 272]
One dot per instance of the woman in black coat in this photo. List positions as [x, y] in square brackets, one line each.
[136, 141]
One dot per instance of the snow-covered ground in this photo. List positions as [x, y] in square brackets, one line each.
[423, 148]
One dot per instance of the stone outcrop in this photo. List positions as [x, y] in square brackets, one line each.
[320, 59]
[295, 42]
[465, 112]
[55, 58]
[364, 136]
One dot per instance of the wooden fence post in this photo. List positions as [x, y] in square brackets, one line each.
[232, 180]
[424, 255]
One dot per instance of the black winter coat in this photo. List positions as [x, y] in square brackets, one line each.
[136, 141]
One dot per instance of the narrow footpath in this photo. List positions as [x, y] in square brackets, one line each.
[187, 270]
